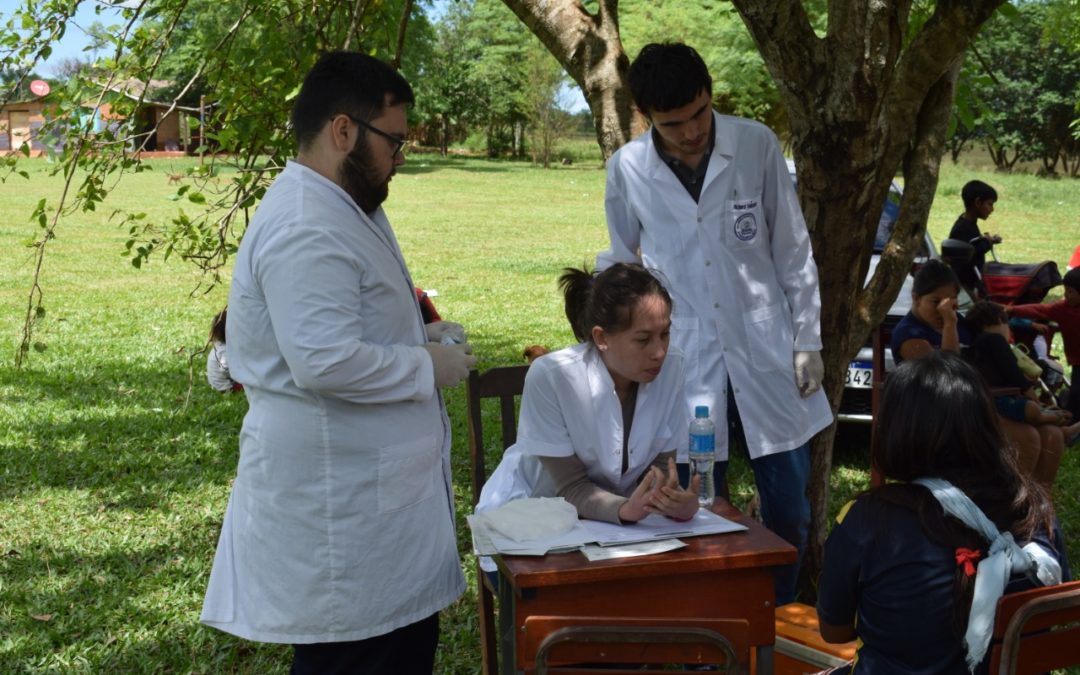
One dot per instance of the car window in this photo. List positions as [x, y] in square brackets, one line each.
[889, 213]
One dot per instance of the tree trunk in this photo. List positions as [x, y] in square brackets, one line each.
[588, 47]
[865, 100]
[445, 140]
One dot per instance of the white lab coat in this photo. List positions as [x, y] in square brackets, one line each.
[740, 271]
[569, 407]
[340, 525]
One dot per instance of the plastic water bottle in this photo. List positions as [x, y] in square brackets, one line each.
[703, 454]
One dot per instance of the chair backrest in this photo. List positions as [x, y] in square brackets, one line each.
[506, 384]
[1037, 631]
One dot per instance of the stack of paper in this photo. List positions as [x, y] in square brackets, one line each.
[651, 528]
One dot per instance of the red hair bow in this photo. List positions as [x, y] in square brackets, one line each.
[968, 557]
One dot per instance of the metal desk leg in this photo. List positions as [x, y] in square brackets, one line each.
[765, 660]
[507, 630]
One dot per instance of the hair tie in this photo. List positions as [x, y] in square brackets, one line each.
[968, 557]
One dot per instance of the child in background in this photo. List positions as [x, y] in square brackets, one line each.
[932, 322]
[1066, 313]
[979, 199]
[995, 361]
[217, 363]
[901, 562]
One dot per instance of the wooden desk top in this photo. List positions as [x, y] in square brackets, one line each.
[755, 547]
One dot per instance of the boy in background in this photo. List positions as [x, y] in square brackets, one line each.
[1066, 313]
[979, 199]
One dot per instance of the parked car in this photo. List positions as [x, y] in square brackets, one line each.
[855, 404]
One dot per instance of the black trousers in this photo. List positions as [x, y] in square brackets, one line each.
[409, 650]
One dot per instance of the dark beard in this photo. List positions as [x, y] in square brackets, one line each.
[361, 180]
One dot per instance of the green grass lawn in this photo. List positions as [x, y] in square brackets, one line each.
[117, 458]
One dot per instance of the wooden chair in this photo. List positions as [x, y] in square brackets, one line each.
[576, 642]
[1037, 631]
[504, 384]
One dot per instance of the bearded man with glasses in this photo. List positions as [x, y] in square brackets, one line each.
[339, 533]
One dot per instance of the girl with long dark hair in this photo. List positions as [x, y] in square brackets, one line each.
[904, 559]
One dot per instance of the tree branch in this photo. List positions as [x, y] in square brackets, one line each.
[402, 25]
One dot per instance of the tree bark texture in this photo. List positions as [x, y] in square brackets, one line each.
[868, 98]
[588, 47]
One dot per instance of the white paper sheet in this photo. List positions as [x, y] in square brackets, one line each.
[594, 552]
[650, 528]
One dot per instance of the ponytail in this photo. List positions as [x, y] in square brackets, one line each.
[606, 299]
[576, 285]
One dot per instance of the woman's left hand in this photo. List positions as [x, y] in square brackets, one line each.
[669, 499]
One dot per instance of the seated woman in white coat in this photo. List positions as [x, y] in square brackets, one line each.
[601, 421]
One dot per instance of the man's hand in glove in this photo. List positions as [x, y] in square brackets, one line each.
[452, 362]
[446, 332]
[809, 370]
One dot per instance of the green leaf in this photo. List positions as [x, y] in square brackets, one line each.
[1009, 10]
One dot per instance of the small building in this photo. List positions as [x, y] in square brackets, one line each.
[19, 123]
[169, 127]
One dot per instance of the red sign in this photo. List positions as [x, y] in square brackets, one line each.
[39, 87]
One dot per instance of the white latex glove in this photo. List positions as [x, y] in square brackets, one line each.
[445, 332]
[809, 370]
[452, 362]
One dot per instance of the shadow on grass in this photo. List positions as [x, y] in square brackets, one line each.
[120, 428]
[125, 610]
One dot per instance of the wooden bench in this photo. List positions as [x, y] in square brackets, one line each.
[799, 648]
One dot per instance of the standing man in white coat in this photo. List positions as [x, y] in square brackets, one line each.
[706, 199]
[339, 533]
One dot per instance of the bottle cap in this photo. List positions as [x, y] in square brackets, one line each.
[701, 411]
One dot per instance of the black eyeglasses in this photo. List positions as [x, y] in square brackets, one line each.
[399, 143]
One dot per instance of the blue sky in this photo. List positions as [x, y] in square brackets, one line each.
[74, 40]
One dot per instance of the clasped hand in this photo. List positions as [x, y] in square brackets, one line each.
[661, 493]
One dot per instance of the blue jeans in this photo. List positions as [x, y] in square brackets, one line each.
[781, 481]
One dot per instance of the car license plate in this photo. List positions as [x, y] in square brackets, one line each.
[859, 375]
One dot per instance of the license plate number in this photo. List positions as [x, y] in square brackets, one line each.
[859, 376]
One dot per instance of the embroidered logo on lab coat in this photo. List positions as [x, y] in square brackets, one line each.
[746, 226]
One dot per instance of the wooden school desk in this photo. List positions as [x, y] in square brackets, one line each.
[720, 576]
